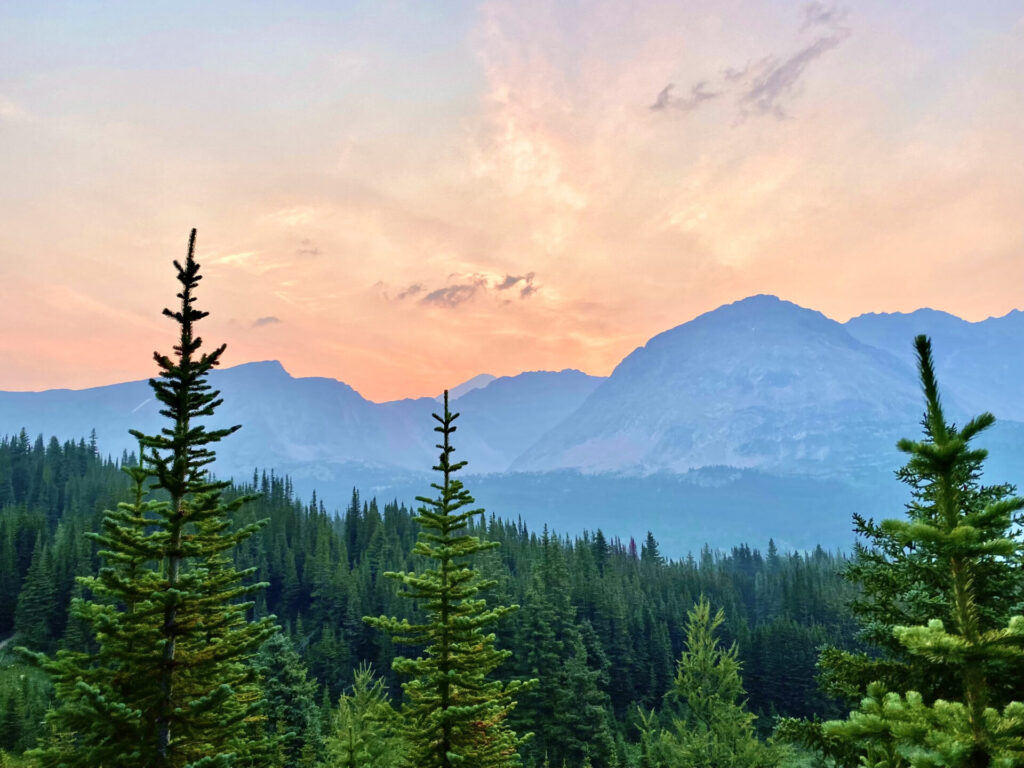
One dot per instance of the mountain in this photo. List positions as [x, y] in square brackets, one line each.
[312, 426]
[477, 382]
[513, 412]
[761, 383]
[982, 362]
[760, 418]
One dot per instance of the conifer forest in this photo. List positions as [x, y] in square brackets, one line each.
[154, 615]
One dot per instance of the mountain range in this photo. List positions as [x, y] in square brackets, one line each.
[760, 418]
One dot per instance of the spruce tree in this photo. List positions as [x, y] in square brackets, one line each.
[456, 714]
[568, 712]
[715, 728]
[290, 701]
[169, 685]
[365, 727]
[34, 613]
[971, 544]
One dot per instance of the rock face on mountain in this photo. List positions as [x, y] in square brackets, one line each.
[760, 383]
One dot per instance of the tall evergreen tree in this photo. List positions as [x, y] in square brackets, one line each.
[972, 544]
[715, 728]
[34, 614]
[456, 714]
[569, 713]
[364, 733]
[169, 686]
[291, 706]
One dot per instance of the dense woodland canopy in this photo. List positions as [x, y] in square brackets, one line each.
[166, 619]
[623, 601]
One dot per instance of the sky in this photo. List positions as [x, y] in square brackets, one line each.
[401, 195]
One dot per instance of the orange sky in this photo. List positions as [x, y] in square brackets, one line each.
[401, 195]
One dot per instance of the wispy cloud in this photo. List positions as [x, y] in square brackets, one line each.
[268, 320]
[12, 111]
[412, 290]
[771, 83]
[511, 281]
[822, 14]
[466, 287]
[307, 249]
[762, 86]
[453, 295]
[698, 95]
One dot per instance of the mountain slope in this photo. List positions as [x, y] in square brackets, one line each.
[983, 362]
[760, 383]
[309, 425]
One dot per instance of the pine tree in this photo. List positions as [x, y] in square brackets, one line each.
[36, 600]
[365, 727]
[456, 715]
[972, 544]
[291, 708]
[715, 728]
[569, 713]
[169, 685]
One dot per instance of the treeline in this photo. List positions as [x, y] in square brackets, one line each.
[625, 601]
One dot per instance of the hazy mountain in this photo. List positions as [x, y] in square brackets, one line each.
[477, 382]
[312, 426]
[760, 418]
[513, 412]
[982, 362]
[760, 383]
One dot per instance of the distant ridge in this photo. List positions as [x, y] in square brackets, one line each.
[758, 396]
[479, 381]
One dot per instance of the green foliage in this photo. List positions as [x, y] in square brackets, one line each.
[455, 714]
[290, 705]
[715, 729]
[902, 566]
[974, 546]
[24, 699]
[365, 730]
[893, 731]
[567, 710]
[168, 685]
[33, 617]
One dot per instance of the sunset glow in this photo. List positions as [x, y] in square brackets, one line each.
[402, 195]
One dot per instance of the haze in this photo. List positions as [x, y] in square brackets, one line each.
[402, 195]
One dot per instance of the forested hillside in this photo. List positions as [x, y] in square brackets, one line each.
[622, 600]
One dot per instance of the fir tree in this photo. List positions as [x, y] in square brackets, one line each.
[35, 610]
[291, 708]
[365, 727]
[972, 544]
[456, 714]
[715, 728]
[169, 685]
[569, 713]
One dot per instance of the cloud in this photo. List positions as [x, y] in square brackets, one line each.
[778, 79]
[453, 295]
[307, 248]
[512, 280]
[412, 290]
[468, 287]
[295, 215]
[819, 14]
[761, 87]
[698, 95]
[12, 111]
[268, 320]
